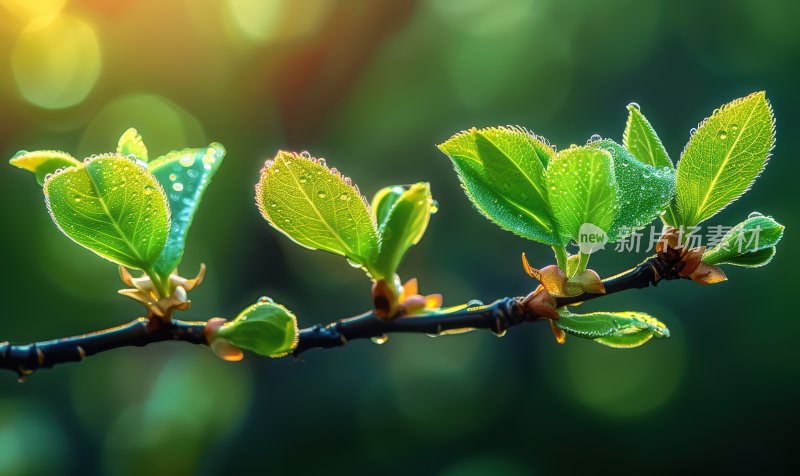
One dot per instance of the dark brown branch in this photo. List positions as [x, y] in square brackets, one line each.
[497, 317]
[26, 359]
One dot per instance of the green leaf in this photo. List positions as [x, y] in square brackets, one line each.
[723, 158]
[317, 208]
[43, 162]
[614, 329]
[131, 143]
[582, 190]
[403, 227]
[642, 141]
[113, 207]
[265, 328]
[753, 259]
[383, 201]
[751, 243]
[502, 172]
[643, 191]
[185, 176]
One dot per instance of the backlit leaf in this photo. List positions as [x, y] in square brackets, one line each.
[502, 171]
[403, 227]
[131, 143]
[317, 207]
[614, 329]
[383, 201]
[582, 190]
[751, 243]
[184, 175]
[642, 141]
[112, 206]
[723, 158]
[265, 328]
[43, 162]
[643, 191]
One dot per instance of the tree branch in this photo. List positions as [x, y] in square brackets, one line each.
[496, 317]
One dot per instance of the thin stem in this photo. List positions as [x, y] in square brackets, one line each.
[497, 317]
[561, 256]
[583, 261]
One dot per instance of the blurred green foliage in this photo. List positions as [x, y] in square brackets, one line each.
[373, 86]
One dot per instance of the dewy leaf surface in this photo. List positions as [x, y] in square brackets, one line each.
[614, 329]
[317, 207]
[643, 191]
[502, 171]
[113, 207]
[265, 328]
[131, 143]
[403, 227]
[642, 141]
[43, 162]
[185, 176]
[582, 190]
[384, 200]
[751, 243]
[723, 158]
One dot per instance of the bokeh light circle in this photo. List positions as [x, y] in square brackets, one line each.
[622, 383]
[164, 125]
[56, 61]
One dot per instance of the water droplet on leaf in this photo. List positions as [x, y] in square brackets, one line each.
[380, 340]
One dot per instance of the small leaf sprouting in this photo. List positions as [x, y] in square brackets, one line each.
[317, 207]
[265, 328]
[43, 162]
[112, 206]
[614, 329]
[185, 176]
[510, 176]
[112, 203]
[131, 144]
[751, 243]
[722, 159]
[642, 141]
[402, 226]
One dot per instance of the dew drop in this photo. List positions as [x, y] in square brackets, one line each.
[273, 204]
[177, 186]
[552, 187]
[723, 135]
[173, 177]
[322, 162]
[265, 300]
[380, 340]
[303, 179]
[635, 106]
[692, 131]
[186, 160]
[322, 194]
[192, 173]
[595, 138]
[148, 190]
[77, 198]
[434, 206]
[755, 215]
[734, 127]
[344, 197]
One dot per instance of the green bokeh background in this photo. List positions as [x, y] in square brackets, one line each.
[373, 86]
